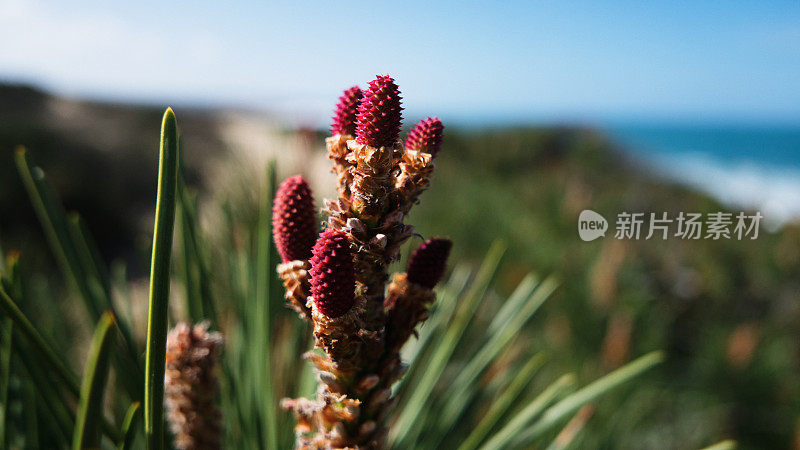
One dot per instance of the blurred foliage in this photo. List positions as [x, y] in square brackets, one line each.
[726, 311]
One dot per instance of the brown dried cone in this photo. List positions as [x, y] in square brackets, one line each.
[294, 275]
[416, 169]
[191, 386]
[411, 293]
[406, 307]
[338, 152]
[422, 145]
[373, 178]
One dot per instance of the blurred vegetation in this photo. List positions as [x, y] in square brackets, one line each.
[725, 311]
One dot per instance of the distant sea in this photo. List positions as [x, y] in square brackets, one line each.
[753, 167]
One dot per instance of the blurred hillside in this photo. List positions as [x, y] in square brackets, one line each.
[725, 311]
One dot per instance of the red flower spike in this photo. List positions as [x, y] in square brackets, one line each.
[294, 220]
[426, 136]
[426, 265]
[344, 118]
[333, 279]
[379, 114]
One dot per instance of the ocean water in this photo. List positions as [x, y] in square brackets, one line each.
[753, 167]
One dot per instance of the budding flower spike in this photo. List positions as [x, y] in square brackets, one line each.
[426, 266]
[426, 136]
[344, 118]
[294, 220]
[359, 323]
[332, 274]
[379, 114]
[191, 386]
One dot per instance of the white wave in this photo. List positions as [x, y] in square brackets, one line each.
[773, 190]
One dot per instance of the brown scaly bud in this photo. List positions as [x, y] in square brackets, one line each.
[294, 220]
[332, 273]
[294, 275]
[410, 293]
[426, 266]
[191, 386]
[416, 166]
[379, 114]
[406, 306]
[344, 118]
[426, 136]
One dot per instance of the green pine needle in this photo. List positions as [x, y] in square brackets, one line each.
[159, 283]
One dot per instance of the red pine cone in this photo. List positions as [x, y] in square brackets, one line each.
[379, 114]
[294, 220]
[426, 265]
[426, 136]
[344, 118]
[333, 279]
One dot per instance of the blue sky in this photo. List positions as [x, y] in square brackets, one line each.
[517, 61]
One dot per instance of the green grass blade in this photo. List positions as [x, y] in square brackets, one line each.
[468, 305]
[497, 342]
[90, 408]
[569, 435]
[501, 439]
[503, 403]
[80, 267]
[129, 426]
[40, 376]
[442, 312]
[5, 373]
[567, 407]
[185, 263]
[37, 340]
[159, 283]
[53, 219]
[724, 445]
[29, 413]
[197, 275]
[263, 309]
[514, 303]
[98, 282]
[89, 255]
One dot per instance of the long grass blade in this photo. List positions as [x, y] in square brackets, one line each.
[5, 374]
[496, 343]
[568, 435]
[567, 407]
[129, 426]
[74, 255]
[442, 354]
[37, 340]
[503, 403]
[159, 283]
[98, 282]
[724, 445]
[90, 408]
[501, 439]
[263, 308]
[40, 377]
